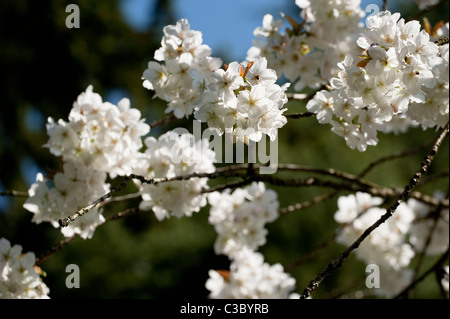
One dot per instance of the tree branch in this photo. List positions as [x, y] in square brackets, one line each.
[307, 204]
[357, 184]
[337, 263]
[67, 240]
[14, 193]
[167, 119]
[395, 155]
[299, 115]
[56, 248]
[218, 173]
[311, 253]
[433, 268]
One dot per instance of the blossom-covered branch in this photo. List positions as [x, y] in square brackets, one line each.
[337, 263]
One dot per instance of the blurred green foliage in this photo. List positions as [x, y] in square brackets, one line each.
[45, 67]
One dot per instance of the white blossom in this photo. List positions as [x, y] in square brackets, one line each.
[398, 80]
[175, 155]
[99, 134]
[387, 245]
[18, 276]
[74, 188]
[239, 217]
[250, 277]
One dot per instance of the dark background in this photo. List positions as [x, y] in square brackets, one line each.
[45, 66]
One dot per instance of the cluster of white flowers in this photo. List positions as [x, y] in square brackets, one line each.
[307, 53]
[250, 277]
[386, 246]
[239, 218]
[242, 100]
[18, 276]
[399, 80]
[182, 52]
[175, 155]
[394, 243]
[100, 139]
[68, 191]
[100, 135]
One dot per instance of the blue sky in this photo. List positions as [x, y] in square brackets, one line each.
[227, 26]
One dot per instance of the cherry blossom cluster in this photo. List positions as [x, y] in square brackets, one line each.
[308, 52]
[394, 243]
[99, 134]
[100, 139]
[399, 79]
[175, 155]
[239, 217]
[242, 99]
[19, 277]
[387, 246]
[384, 78]
[66, 192]
[250, 277]
[182, 53]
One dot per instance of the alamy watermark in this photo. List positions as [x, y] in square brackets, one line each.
[73, 19]
[73, 279]
[373, 276]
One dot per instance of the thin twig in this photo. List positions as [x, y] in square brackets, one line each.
[442, 41]
[14, 193]
[307, 204]
[122, 214]
[425, 11]
[385, 5]
[434, 267]
[66, 241]
[423, 252]
[163, 121]
[120, 198]
[227, 185]
[327, 242]
[311, 253]
[153, 181]
[357, 184]
[384, 192]
[433, 177]
[299, 115]
[395, 155]
[337, 263]
[56, 248]
[435, 214]
[66, 221]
